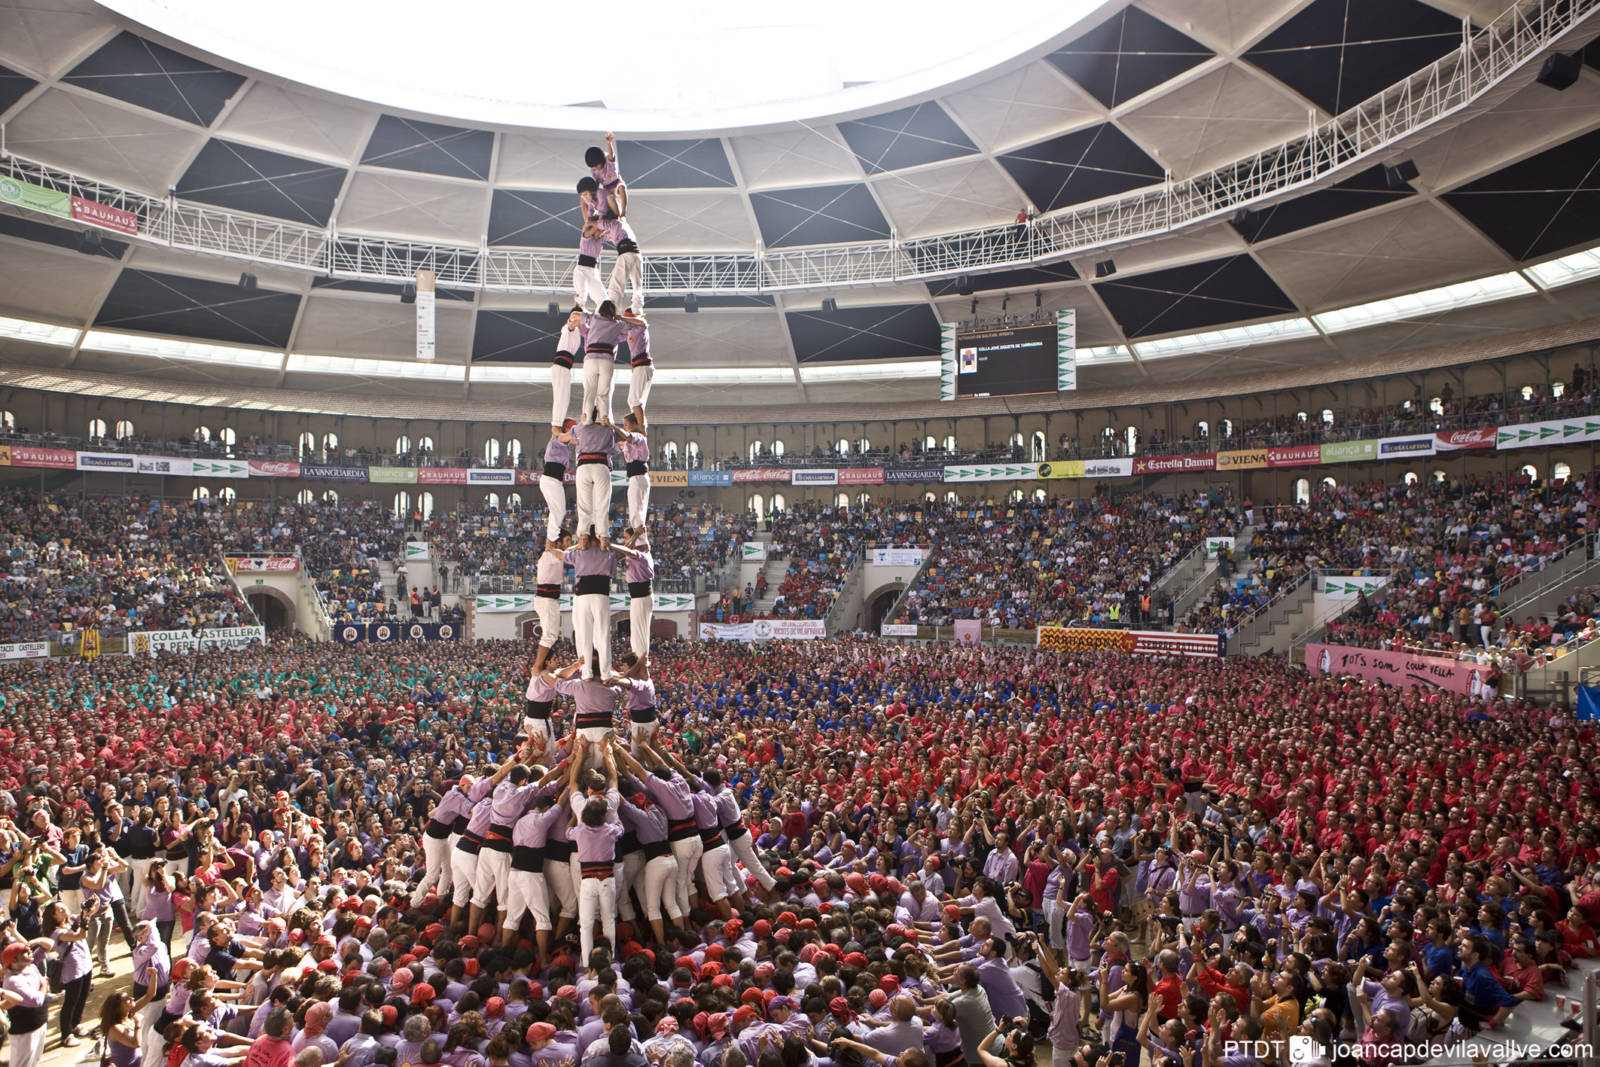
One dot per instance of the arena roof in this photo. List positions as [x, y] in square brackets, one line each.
[1136, 97]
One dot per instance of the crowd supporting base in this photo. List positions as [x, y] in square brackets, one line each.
[828, 852]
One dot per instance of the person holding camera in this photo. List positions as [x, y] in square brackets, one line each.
[1008, 1045]
[70, 942]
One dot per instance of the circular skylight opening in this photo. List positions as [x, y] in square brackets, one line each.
[640, 66]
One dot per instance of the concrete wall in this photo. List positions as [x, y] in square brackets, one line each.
[294, 589]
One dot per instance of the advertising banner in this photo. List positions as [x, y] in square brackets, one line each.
[1107, 468]
[1401, 669]
[495, 476]
[107, 461]
[221, 468]
[1350, 586]
[105, 216]
[755, 552]
[815, 476]
[166, 466]
[392, 475]
[710, 478]
[25, 650]
[1402, 447]
[674, 479]
[1063, 468]
[351, 633]
[1217, 544]
[898, 629]
[896, 557]
[35, 198]
[1248, 459]
[273, 468]
[262, 564]
[912, 475]
[861, 476]
[764, 630]
[1175, 464]
[1455, 440]
[329, 473]
[1294, 456]
[442, 476]
[991, 472]
[761, 474]
[151, 642]
[1131, 642]
[1349, 451]
[58, 459]
[417, 550]
[1555, 432]
[969, 631]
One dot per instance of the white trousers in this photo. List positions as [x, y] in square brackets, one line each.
[641, 731]
[548, 608]
[639, 381]
[627, 274]
[597, 899]
[638, 499]
[629, 884]
[463, 871]
[140, 889]
[658, 890]
[591, 629]
[594, 498]
[527, 893]
[436, 853]
[560, 393]
[27, 1050]
[598, 374]
[492, 878]
[716, 867]
[558, 883]
[744, 847]
[687, 852]
[555, 499]
[640, 611]
[587, 288]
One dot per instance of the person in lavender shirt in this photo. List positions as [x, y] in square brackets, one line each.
[593, 563]
[595, 834]
[558, 458]
[639, 568]
[70, 942]
[642, 373]
[603, 332]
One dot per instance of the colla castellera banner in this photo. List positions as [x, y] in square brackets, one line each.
[153, 642]
[25, 650]
[895, 557]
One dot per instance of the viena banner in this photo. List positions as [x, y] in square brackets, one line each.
[152, 642]
[764, 630]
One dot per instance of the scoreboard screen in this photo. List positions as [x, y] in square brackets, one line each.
[1009, 360]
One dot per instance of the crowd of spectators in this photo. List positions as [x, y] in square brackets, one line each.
[822, 543]
[977, 854]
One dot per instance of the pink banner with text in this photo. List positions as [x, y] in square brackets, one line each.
[1399, 669]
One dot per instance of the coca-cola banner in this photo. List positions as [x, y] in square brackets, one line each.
[1175, 464]
[274, 468]
[1456, 440]
[762, 474]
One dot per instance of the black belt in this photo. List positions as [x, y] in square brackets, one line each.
[539, 709]
[642, 715]
[594, 720]
[710, 839]
[682, 829]
[549, 592]
[498, 838]
[642, 360]
[627, 844]
[26, 1020]
[594, 459]
[639, 589]
[601, 347]
[558, 471]
[655, 849]
[528, 858]
[559, 851]
[437, 829]
[637, 467]
[460, 825]
[593, 584]
[587, 261]
[469, 843]
[737, 830]
[598, 868]
[562, 359]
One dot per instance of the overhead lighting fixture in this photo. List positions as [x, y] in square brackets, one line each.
[1401, 174]
[1005, 300]
[1560, 71]
[1104, 354]
[691, 303]
[408, 293]
[39, 333]
[508, 375]
[974, 305]
[1105, 268]
[89, 242]
[963, 285]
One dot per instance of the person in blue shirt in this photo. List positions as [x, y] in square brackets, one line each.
[1485, 1002]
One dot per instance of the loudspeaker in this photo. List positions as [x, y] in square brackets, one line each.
[963, 285]
[691, 303]
[408, 293]
[89, 242]
[247, 281]
[1560, 71]
[1105, 268]
[1400, 174]
[829, 305]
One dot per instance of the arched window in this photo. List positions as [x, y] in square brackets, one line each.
[1227, 428]
[841, 447]
[758, 506]
[1561, 472]
[691, 455]
[8, 421]
[491, 452]
[863, 446]
[1202, 429]
[864, 500]
[124, 429]
[842, 500]
[778, 503]
[930, 498]
[201, 435]
[1301, 417]
[492, 501]
[402, 505]
[425, 502]
[1036, 447]
[227, 437]
[1436, 405]
[226, 494]
[929, 443]
[1439, 477]
[1040, 496]
[330, 443]
[1131, 438]
[513, 501]
[1558, 389]
[669, 453]
[1330, 483]
[1527, 392]
[330, 496]
[949, 444]
[777, 448]
[1409, 477]
[754, 452]
[1016, 440]
[1530, 472]
[200, 493]
[950, 497]
[306, 446]
[1302, 490]
[305, 496]
[1015, 496]
[425, 446]
[1327, 416]
[97, 427]
[402, 445]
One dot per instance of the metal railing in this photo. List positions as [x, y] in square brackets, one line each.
[1484, 59]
